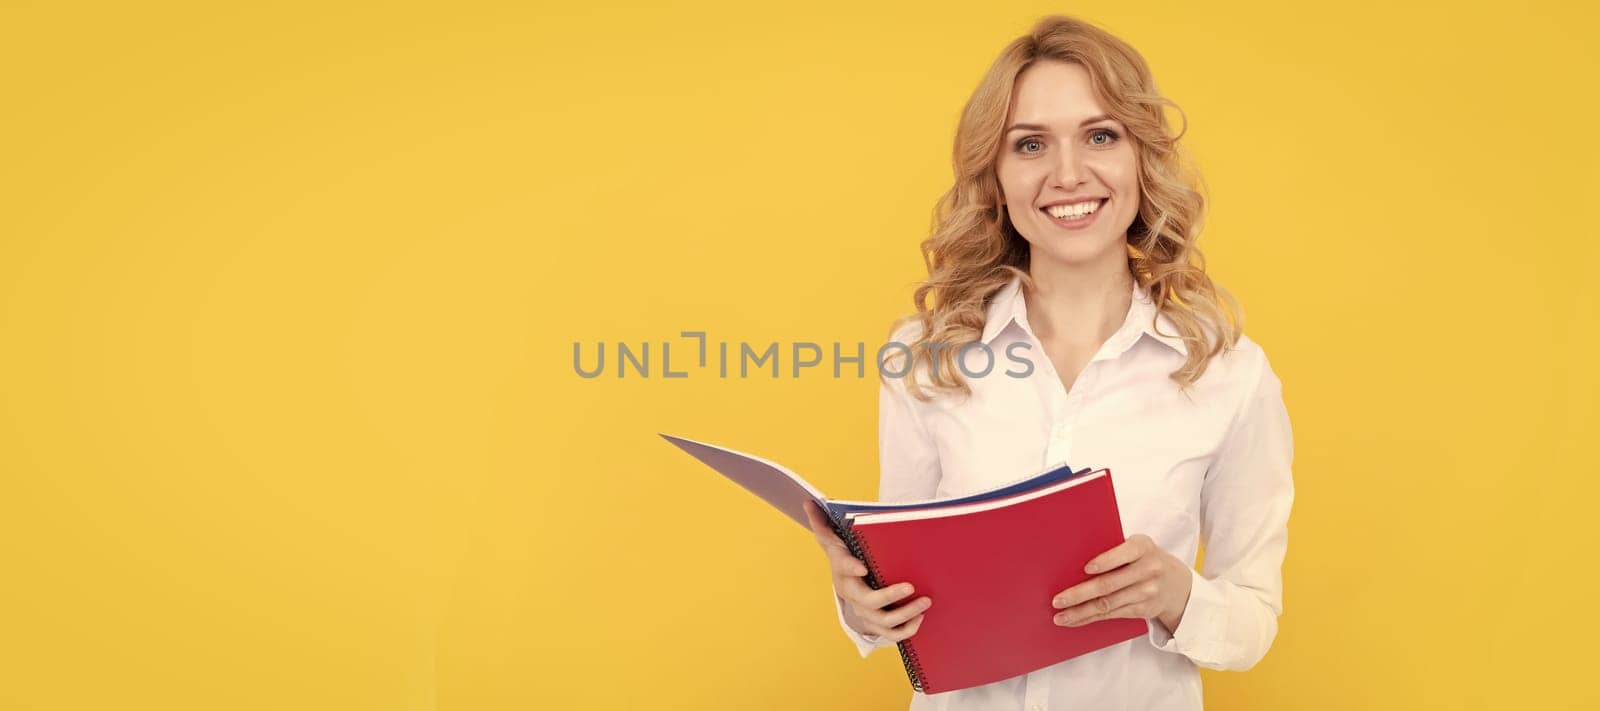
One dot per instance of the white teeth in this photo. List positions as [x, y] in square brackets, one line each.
[1075, 210]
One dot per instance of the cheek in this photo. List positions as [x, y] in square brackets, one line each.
[1017, 185]
[1122, 172]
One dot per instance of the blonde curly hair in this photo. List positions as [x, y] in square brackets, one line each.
[974, 250]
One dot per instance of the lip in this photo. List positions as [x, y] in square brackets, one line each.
[1078, 223]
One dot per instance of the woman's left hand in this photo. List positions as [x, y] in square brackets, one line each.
[1135, 579]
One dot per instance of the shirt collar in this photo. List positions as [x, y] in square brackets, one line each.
[1008, 306]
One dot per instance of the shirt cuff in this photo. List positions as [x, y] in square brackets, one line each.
[864, 643]
[1202, 624]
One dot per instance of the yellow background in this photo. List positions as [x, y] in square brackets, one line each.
[288, 417]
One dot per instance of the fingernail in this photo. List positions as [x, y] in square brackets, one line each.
[906, 589]
[1091, 568]
[1057, 603]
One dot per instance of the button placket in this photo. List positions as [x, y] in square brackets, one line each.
[1061, 435]
[1036, 690]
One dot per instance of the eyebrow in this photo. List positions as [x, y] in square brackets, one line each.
[1040, 127]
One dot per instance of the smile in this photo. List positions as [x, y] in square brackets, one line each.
[1070, 218]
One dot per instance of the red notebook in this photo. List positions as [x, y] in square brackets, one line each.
[991, 569]
[990, 560]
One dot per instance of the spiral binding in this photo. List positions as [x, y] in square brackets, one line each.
[858, 548]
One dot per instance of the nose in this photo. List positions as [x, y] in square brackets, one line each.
[1068, 170]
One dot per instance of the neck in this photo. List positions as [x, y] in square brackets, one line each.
[1078, 303]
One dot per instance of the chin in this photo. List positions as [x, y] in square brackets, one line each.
[1076, 249]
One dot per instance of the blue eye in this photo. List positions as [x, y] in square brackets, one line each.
[1107, 134]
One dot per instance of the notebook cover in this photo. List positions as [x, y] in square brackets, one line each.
[991, 575]
[775, 484]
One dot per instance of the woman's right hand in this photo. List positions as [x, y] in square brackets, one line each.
[864, 607]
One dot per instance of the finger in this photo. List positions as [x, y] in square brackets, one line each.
[826, 537]
[816, 519]
[1138, 609]
[900, 615]
[882, 597]
[887, 631]
[903, 632]
[852, 590]
[1127, 599]
[889, 595]
[1122, 554]
[845, 564]
[1102, 585]
[833, 547]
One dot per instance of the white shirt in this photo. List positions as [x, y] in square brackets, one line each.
[1214, 464]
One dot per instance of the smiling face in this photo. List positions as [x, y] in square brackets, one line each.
[1060, 156]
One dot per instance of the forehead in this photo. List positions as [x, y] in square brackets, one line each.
[1053, 92]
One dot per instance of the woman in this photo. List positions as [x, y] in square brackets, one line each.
[1070, 233]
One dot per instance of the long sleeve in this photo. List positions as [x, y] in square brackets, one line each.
[1232, 615]
[908, 463]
